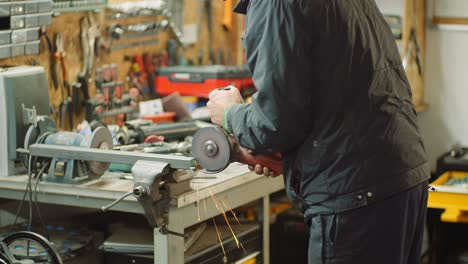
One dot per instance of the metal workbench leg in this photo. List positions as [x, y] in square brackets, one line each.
[266, 229]
[161, 252]
[169, 249]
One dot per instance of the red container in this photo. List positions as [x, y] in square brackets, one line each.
[166, 117]
[200, 80]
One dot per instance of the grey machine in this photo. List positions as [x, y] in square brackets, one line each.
[22, 85]
[42, 130]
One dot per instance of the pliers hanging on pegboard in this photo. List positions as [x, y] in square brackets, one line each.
[66, 106]
[206, 7]
[51, 49]
[90, 35]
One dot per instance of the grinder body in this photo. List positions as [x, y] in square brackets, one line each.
[214, 149]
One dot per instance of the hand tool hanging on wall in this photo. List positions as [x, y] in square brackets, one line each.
[133, 31]
[172, 51]
[200, 57]
[209, 17]
[76, 96]
[206, 7]
[221, 59]
[138, 8]
[150, 72]
[51, 48]
[84, 26]
[89, 33]
[133, 44]
[65, 107]
[227, 16]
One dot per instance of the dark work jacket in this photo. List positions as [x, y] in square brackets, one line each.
[333, 98]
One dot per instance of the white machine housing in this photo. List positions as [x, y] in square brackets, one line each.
[19, 85]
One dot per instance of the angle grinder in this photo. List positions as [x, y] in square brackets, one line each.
[214, 149]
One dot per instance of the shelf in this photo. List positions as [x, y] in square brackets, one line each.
[78, 6]
[58, 11]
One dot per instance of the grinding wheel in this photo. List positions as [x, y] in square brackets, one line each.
[100, 139]
[212, 149]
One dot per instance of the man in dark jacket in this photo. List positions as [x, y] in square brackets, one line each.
[334, 99]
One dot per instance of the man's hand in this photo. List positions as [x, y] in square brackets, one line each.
[219, 100]
[260, 170]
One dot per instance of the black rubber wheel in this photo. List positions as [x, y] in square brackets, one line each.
[42, 241]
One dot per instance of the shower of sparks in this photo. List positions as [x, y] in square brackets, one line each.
[232, 212]
[218, 205]
[242, 246]
[198, 205]
[219, 237]
[204, 206]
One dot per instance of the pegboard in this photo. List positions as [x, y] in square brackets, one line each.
[68, 24]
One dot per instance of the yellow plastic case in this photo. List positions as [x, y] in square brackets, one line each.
[453, 199]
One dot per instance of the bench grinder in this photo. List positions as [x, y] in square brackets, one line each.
[44, 131]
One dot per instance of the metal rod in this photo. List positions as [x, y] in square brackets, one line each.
[109, 206]
[103, 155]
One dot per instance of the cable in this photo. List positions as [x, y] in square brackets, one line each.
[38, 177]
[20, 206]
[18, 210]
[30, 192]
[28, 186]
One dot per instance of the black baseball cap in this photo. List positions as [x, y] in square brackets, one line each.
[241, 7]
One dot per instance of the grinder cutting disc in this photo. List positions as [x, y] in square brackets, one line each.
[212, 149]
[100, 139]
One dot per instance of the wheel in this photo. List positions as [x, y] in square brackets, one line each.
[27, 247]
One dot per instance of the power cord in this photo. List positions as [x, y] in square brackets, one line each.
[18, 211]
[30, 173]
[38, 177]
[31, 167]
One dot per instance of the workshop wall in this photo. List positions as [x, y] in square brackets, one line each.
[68, 24]
[445, 122]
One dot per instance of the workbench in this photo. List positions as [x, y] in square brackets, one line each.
[236, 186]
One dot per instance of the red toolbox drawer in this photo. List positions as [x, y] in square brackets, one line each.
[201, 80]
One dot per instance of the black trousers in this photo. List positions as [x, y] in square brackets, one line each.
[386, 232]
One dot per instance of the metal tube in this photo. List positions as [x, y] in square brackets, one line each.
[114, 156]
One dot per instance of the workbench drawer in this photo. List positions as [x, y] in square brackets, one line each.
[5, 37]
[5, 51]
[454, 199]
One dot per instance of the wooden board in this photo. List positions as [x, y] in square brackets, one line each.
[450, 20]
[414, 17]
